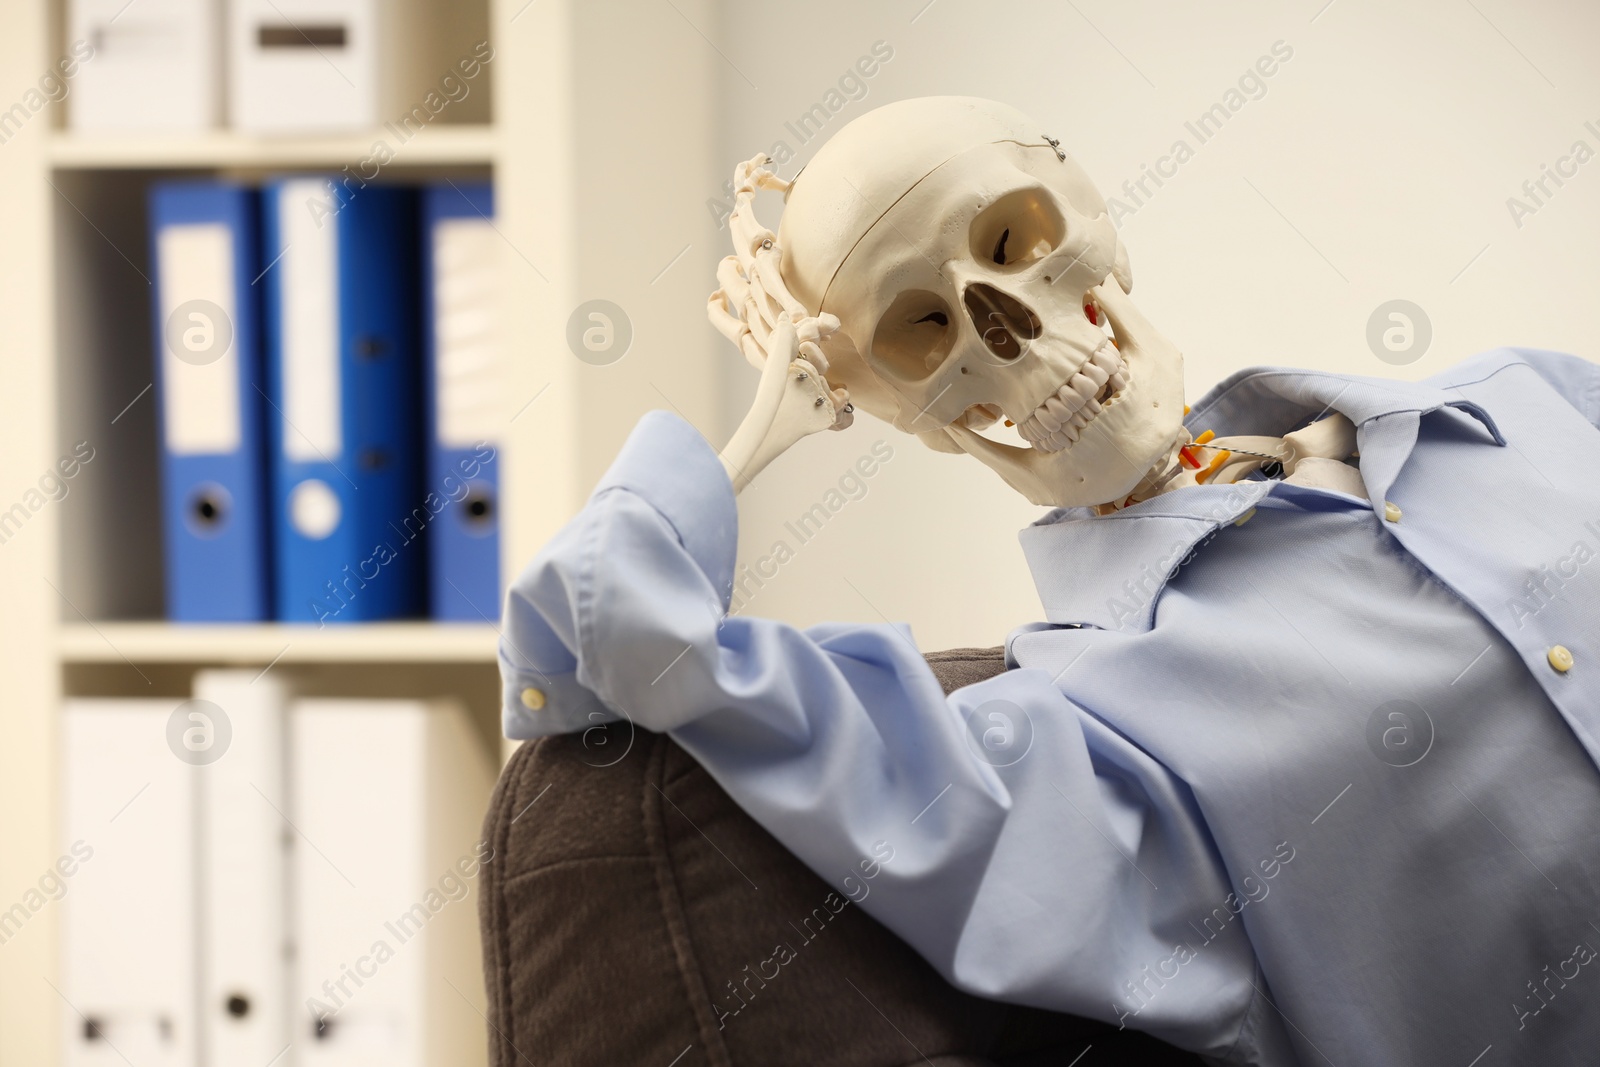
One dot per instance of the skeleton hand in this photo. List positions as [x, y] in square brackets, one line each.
[754, 309]
[792, 401]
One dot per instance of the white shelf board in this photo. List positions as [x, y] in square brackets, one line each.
[463, 144]
[162, 642]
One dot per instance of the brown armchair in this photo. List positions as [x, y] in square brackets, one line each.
[633, 914]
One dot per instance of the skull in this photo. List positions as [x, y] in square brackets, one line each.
[977, 276]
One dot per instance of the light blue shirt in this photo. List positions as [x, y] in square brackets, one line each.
[1287, 776]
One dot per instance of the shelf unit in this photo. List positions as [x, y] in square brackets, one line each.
[603, 154]
[462, 144]
[157, 642]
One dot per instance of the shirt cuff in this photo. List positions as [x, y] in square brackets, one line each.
[674, 472]
[672, 468]
[537, 703]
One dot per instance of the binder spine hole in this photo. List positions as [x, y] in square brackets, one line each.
[314, 509]
[478, 507]
[208, 510]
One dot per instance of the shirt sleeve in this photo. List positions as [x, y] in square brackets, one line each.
[1023, 847]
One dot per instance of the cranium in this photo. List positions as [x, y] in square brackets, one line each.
[976, 276]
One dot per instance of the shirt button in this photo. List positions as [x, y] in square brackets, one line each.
[1560, 657]
[533, 699]
[1391, 511]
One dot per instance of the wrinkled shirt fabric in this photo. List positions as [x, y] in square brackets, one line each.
[1284, 776]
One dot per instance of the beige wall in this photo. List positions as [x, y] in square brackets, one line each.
[606, 118]
[27, 778]
[1391, 141]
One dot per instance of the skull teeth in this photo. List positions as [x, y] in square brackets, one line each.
[1106, 358]
[1061, 418]
[1053, 414]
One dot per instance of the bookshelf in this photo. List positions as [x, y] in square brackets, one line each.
[603, 152]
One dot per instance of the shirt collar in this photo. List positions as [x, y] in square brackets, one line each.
[1108, 571]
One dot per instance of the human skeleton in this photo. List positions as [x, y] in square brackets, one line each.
[943, 265]
[952, 268]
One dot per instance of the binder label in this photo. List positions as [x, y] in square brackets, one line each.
[199, 361]
[469, 391]
[311, 400]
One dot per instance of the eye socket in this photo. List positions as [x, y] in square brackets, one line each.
[1021, 227]
[914, 336]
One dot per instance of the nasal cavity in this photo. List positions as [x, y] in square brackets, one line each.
[1005, 323]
